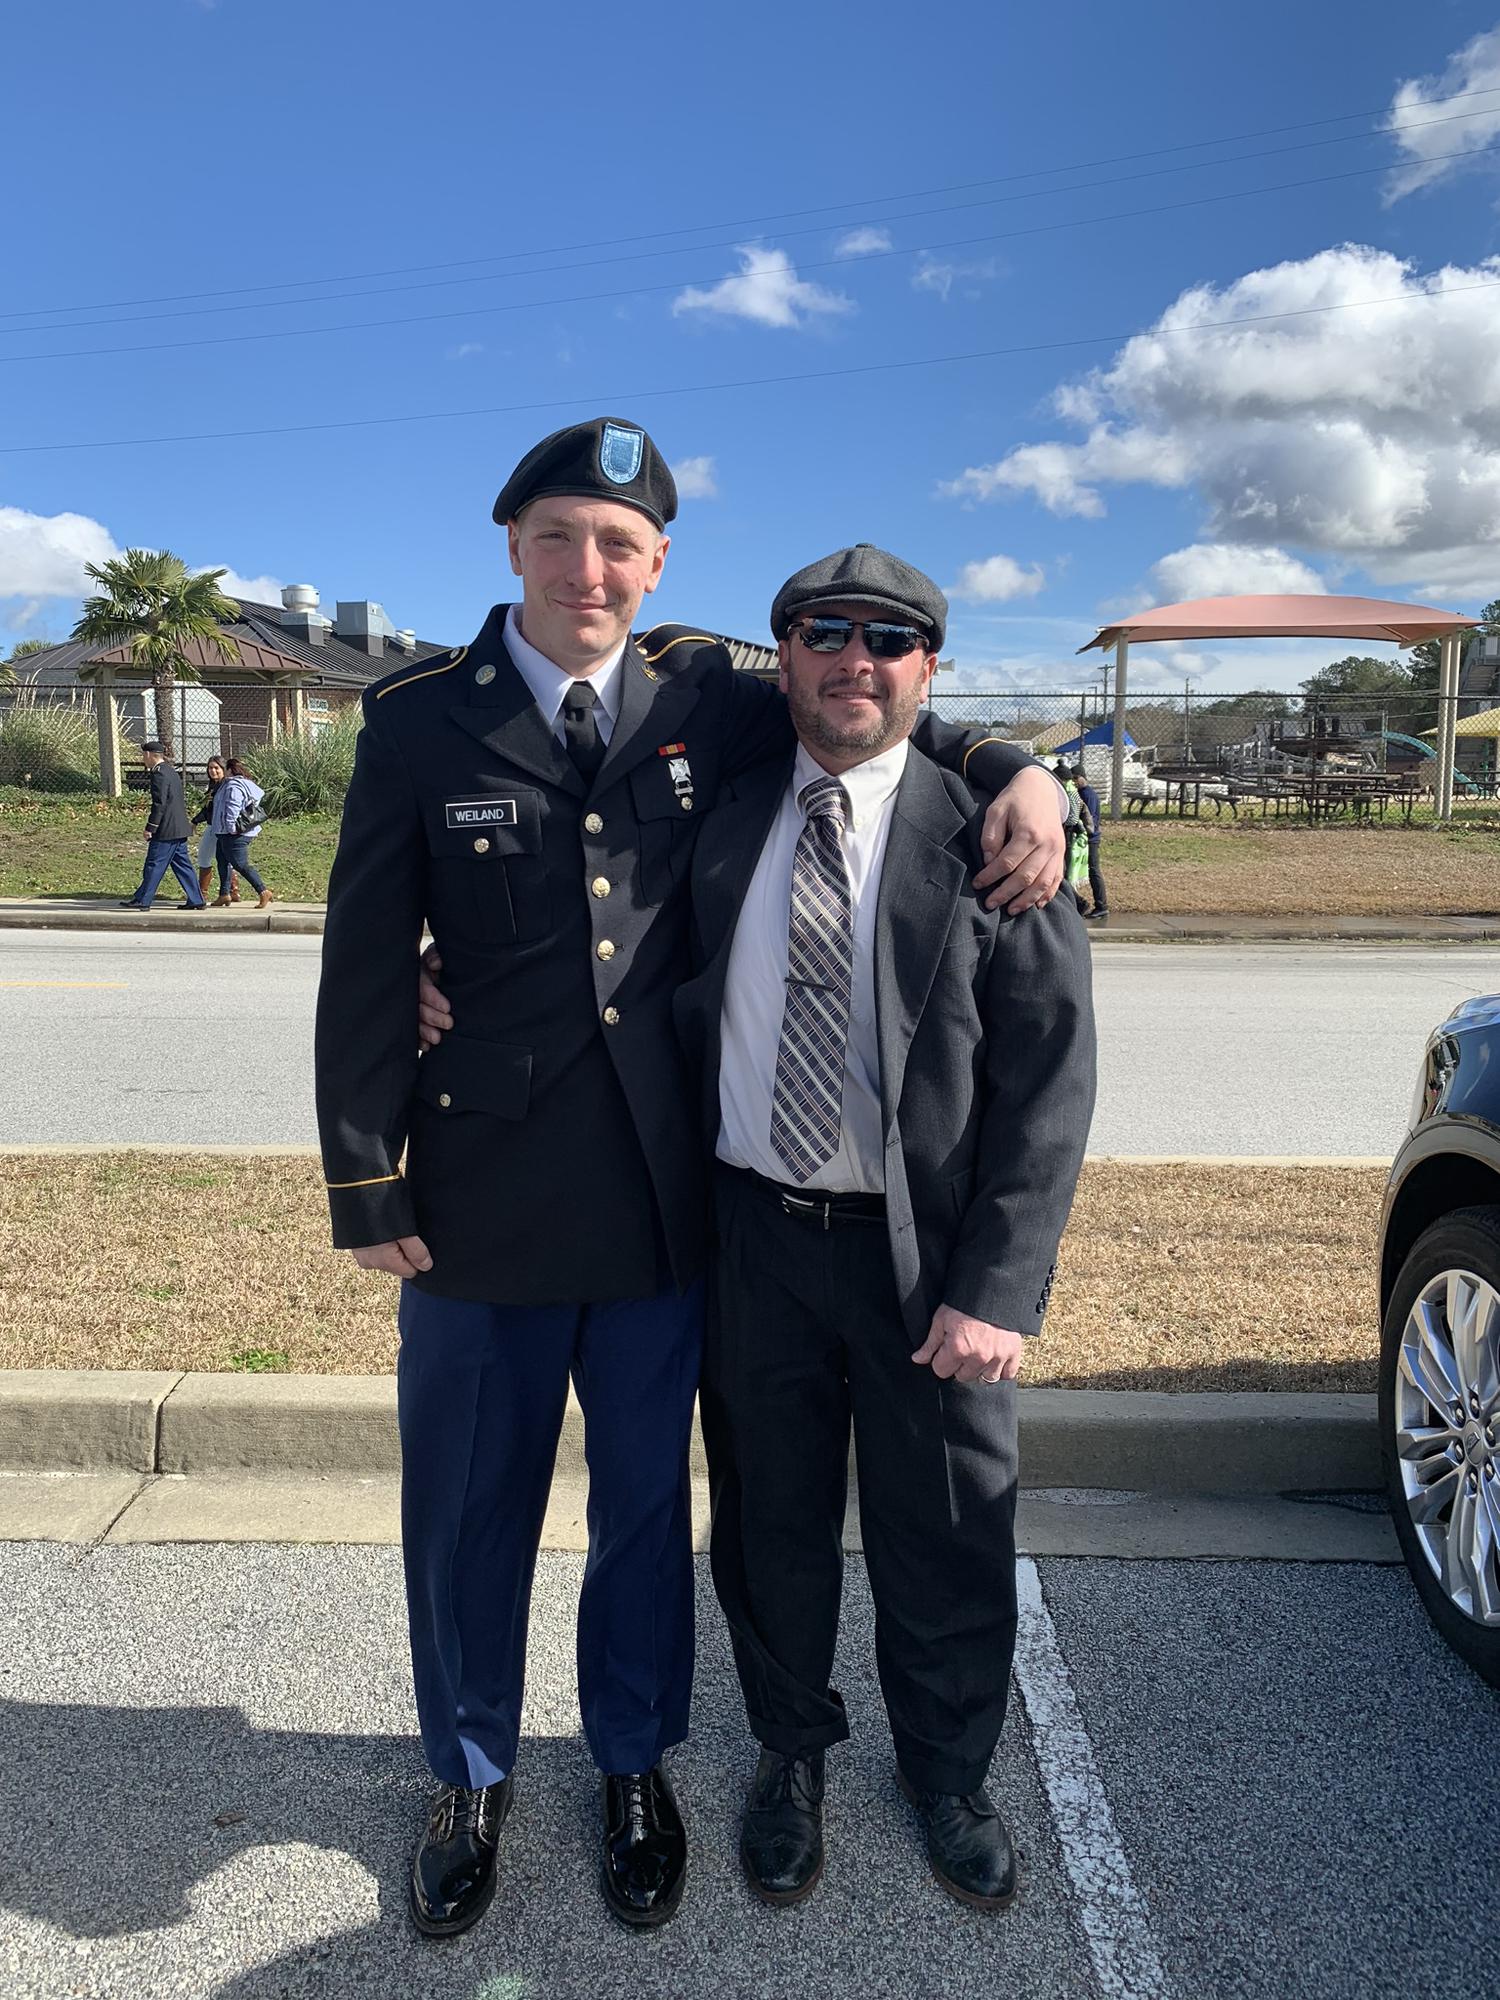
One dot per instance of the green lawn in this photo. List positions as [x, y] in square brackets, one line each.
[55, 846]
[51, 846]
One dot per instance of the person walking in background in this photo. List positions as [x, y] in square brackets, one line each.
[1078, 838]
[167, 834]
[214, 775]
[236, 821]
[1089, 800]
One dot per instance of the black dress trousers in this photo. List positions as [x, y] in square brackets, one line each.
[805, 1334]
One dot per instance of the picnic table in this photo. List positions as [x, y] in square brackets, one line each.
[1323, 795]
[1188, 780]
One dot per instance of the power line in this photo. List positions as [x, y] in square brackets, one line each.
[618, 399]
[756, 221]
[242, 305]
[643, 291]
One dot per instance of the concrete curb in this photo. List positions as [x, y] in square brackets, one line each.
[345, 1426]
[306, 920]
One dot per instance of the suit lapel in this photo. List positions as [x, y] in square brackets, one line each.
[501, 713]
[919, 884]
[729, 848]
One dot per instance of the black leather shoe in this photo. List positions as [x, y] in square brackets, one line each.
[781, 1840]
[968, 1846]
[129, 903]
[453, 1875]
[645, 1848]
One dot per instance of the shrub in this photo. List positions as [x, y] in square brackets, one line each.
[308, 774]
[49, 746]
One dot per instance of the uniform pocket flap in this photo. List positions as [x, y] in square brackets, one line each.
[461, 1074]
[666, 788]
[486, 825]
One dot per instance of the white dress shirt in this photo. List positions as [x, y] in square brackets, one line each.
[548, 683]
[755, 986]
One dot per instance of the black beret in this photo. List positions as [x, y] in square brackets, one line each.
[866, 575]
[607, 459]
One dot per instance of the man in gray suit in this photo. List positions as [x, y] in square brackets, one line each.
[897, 1086]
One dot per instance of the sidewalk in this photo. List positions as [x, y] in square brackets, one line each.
[102, 913]
[125, 1458]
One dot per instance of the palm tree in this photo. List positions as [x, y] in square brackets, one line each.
[151, 601]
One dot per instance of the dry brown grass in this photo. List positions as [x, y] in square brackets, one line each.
[1171, 1277]
[1204, 868]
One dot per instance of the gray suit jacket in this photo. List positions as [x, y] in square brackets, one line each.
[986, 1036]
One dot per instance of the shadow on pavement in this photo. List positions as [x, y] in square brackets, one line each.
[207, 1856]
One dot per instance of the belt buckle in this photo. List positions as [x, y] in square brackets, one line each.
[809, 1206]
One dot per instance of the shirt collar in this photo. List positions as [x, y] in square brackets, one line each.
[548, 683]
[867, 786]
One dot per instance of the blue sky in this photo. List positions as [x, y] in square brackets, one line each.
[658, 212]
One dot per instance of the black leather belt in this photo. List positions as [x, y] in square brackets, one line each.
[817, 1208]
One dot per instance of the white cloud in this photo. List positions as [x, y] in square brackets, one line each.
[42, 555]
[42, 558]
[696, 479]
[464, 349]
[247, 589]
[933, 275]
[766, 290]
[1429, 132]
[865, 241]
[996, 580]
[1225, 569]
[1370, 437]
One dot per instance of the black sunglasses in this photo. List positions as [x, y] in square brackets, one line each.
[882, 641]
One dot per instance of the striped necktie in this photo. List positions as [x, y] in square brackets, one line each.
[807, 1104]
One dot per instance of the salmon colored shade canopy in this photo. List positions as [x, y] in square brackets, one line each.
[1304, 617]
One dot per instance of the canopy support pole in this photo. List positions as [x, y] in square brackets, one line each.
[1117, 748]
[1448, 659]
[107, 719]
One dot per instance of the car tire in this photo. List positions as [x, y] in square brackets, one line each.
[1442, 1460]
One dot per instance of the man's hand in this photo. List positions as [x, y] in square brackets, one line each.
[969, 1350]
[433, 1018]
[1025, 852]
[403, 1258]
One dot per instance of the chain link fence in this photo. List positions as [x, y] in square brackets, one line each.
[1286, 758]
[50, 735]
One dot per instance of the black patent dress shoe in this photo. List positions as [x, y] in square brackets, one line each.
[453, 1874]
[781, 1838]
[968, 1846]
[645, 1848]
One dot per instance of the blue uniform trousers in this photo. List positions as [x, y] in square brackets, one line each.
[160, 856]
[481, 1391]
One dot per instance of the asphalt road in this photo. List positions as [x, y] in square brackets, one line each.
[1285, 1049]
[1223, 1779]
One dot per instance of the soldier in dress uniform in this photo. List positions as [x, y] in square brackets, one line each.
[533, 798]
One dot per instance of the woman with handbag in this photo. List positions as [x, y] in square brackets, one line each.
[236, 821]
[214, 775]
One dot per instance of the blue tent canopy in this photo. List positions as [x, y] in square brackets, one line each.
[1104, 733]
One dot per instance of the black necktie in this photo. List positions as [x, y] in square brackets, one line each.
[581, 731]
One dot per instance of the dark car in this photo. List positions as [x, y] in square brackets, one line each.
[1440, 1338]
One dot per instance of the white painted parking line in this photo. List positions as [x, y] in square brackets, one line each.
[1111, 1910]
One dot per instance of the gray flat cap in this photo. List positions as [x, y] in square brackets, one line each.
[869, 576]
